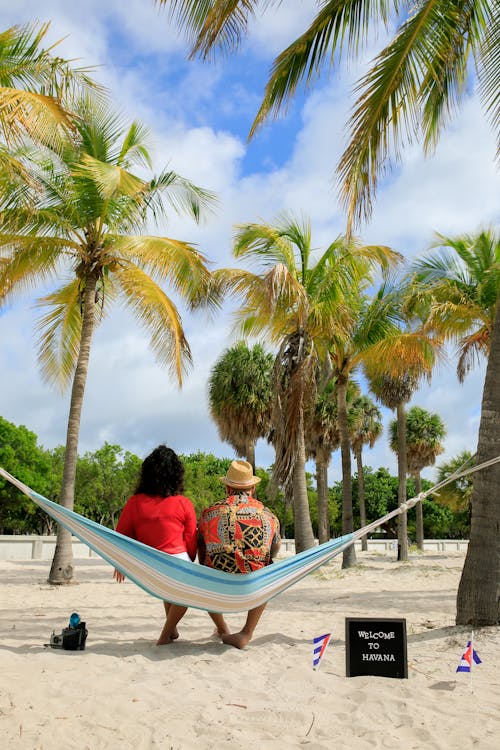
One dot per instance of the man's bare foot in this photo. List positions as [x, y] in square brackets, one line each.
[238, 640]
[220, 632]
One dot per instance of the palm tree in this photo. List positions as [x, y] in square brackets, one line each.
[463, 279]
[365, 427]
[375, 341]
[87, 219]
[394, 392]
[298, 305]
[413, 85]
[424, 432]
[240, 397]
[321, 439]
[472, 318]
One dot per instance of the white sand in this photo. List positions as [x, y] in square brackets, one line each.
[124, 692]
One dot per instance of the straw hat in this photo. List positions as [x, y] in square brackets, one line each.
[240, 475]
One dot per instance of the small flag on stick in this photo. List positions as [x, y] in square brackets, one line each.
[320, 643]
[469, 657]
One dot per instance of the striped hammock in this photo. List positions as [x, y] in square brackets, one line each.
[193, 585]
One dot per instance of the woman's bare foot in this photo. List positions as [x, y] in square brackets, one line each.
[167, 637]
[238, 640]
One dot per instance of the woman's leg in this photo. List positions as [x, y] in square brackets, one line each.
[174, 613]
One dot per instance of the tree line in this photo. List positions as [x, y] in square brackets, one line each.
[107, 476]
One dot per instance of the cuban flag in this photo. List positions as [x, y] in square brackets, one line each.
[468, 657]
[319, 644]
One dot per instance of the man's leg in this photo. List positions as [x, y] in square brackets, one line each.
[170, 633]
[220, 623]
[241, 639]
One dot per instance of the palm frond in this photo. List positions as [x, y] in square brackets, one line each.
[28, 260]
[271, 245]
[472, 348]
[134, 148]
[167, 259]
[209, 23]
[321, 43]
[181, 194]
[110, 179]
[388, 112]
[60, 332]
[159, 318]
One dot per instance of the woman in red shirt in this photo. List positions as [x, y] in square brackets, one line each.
[160, 516]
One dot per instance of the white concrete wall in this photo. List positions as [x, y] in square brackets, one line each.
[32, 547]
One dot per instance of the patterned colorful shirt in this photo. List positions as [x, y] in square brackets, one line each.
[238, 534]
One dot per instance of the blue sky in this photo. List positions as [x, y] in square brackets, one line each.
[200, 114]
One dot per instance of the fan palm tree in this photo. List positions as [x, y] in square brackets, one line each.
[365, 427]
[240, 397]
[424, 432]
[87, 220]
[412, 87]
[298, 303]
[394, 393]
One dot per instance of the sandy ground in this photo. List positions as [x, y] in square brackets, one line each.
[124, 693]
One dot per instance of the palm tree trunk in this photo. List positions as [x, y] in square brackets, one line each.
[478, 600]
[250, 454]
[303, 532]
[420, 513]
[349, 555]
[322, 487]
[361, 497]
[402, 518]
[61, 570]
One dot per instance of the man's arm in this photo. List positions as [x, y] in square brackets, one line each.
[202, 550]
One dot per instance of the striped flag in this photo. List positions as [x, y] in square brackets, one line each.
[320, 643]
[468, 657]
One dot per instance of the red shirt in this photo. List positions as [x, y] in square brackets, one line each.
[166, 523]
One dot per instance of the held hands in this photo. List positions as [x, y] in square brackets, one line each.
[118, 576]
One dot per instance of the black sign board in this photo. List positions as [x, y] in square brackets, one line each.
[376, 647]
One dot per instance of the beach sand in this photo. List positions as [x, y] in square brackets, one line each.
[125, 693]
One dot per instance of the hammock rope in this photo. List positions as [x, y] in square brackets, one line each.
[193, 585]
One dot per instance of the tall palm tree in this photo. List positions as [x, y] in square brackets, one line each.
[321, 439]
[365, 427]
[424, 432]
[240, 397]
[298, 302]
[410, 91]
[472, 318]
[87, 220]
[376, 342]
[394, 392]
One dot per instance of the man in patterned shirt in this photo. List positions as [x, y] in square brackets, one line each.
[238, 535]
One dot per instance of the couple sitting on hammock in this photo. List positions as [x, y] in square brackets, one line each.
[237, 535]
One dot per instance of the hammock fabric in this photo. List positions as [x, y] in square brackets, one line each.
[193, 585]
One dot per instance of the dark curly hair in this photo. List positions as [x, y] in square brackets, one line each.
[162, 474]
